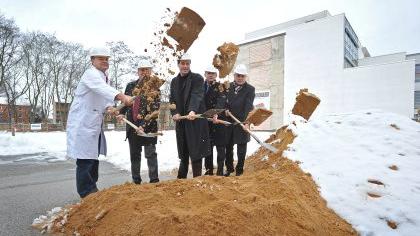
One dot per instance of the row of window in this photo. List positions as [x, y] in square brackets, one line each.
[351, 46]
[417, 99]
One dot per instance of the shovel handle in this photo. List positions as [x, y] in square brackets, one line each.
[186, 117]
[266, 145]
[119, 107]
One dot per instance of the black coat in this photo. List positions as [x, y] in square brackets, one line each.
[239, 105]
[187, 94]
[216, 98]
[149, 126]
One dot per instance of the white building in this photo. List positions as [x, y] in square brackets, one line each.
[323, 53]
[417, 85]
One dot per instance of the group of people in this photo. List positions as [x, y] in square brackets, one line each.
[196, 137]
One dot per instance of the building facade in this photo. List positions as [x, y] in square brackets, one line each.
[323, 53]
[416, 57]
[61, 111]
[21, 116]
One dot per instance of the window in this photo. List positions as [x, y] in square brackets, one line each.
[418, 73]
[351, 46]
[417, 99]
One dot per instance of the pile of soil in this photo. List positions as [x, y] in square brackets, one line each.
[273, 197]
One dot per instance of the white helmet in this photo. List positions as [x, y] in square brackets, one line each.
[241, 69]
[144, 63]
[185, 57]
[99, 51]
[211, 69]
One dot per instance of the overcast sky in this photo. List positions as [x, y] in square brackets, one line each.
[383, 26]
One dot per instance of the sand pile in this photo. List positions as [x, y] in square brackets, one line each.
[273, 197]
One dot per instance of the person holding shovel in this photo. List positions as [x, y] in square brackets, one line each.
[142, 115]
[215, 98]
[85, 135]
[239, 103]
[187, 93]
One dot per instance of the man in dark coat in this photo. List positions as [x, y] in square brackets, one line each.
[192, 135]
[144, 105]
[215, 97]
[240, 99]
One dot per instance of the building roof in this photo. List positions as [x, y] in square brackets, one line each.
[281, 28]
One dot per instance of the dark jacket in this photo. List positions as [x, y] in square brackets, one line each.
[187, 94]
[215, 97]
[240, 105]
[145, 108]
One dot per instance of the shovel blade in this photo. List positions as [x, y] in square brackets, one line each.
[186, 27]
[210, 113]
[269, 147]
[258, 116]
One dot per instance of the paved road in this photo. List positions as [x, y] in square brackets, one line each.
[29, 189]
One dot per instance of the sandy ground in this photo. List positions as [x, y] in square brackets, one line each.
[29, 189]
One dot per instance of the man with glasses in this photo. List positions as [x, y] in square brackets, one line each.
[137, 114]
[240, 99]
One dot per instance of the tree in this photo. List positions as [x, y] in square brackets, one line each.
[122, 62]
[35, 56]
[9, 36]
[9, 79]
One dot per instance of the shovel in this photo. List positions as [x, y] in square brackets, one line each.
[208, 114]
[186, 27]
[143, 134]
[265, 145]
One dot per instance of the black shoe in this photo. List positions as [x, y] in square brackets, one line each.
[154, 181]
[239, 172]
[136, 181]
[227, 174]
[208, 172]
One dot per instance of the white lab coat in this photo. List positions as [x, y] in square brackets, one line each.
[84, 124]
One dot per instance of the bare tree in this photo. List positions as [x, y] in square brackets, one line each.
[15, 88]
[37, 71]
[9, 77]
[122, 62]
[9, 36]
[76, 64]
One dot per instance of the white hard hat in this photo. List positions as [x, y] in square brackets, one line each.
[211, 69]
[185, 57]
[241, 69]
[144, 63]
[99, 52]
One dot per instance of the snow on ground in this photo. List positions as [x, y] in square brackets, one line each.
[52, 147]
[342, 152]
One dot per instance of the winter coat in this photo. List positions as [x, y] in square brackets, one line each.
[145, 108]
[239, 105]
[188, 95]
[85, 136]
[215, 98]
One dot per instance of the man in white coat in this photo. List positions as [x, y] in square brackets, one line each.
[85, 135]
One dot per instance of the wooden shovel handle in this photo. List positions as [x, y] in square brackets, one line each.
[119, 107]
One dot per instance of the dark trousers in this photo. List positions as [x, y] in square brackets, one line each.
[221, 156]
[241, 153]
[135, 158]
[197, 165]
[86, 176]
